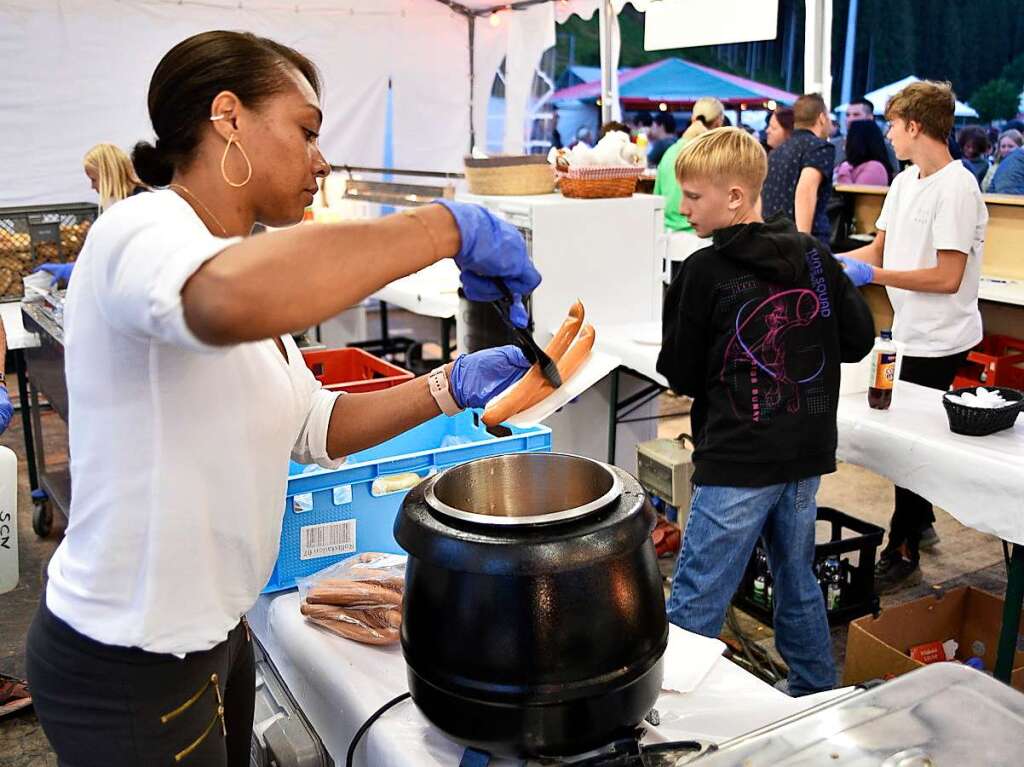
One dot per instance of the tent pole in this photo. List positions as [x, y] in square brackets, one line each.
[472, 80]
[606, 19]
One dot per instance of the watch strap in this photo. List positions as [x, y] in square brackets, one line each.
[438, 382]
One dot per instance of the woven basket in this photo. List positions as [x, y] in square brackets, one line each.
[979, 421]
[599, 182]
[518, 174]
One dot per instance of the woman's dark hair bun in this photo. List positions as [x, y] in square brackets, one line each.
[152, 167]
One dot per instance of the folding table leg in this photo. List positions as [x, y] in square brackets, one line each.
[1011, 614]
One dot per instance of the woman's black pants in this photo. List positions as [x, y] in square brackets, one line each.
[102, 705]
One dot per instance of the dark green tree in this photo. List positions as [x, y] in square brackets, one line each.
[996, 100]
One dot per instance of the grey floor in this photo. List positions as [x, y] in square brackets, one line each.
[964, 556]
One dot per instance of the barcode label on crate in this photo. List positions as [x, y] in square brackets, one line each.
[328, 539]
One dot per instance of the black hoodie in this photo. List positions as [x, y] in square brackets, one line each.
[755, 326]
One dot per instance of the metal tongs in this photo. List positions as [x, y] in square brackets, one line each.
[533, 352]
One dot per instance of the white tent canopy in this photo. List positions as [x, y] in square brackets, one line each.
[881, 96]
[76, 73]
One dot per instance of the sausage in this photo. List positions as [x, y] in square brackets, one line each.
[523, 390]
[374, 577]
[354, 594]
[357, 632]
[571, 361]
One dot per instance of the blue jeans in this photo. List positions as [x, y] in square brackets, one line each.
[721, 532]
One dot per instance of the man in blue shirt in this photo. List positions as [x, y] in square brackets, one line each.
[799, 181]
[1009, 176]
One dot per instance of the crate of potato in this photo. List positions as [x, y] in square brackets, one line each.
[39, 234]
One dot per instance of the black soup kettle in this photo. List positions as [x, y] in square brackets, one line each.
[534, 617]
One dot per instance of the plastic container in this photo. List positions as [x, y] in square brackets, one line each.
[353, 370]
[996, 361]
[856, 582]
[329, 515]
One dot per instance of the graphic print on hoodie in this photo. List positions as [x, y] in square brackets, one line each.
[754, 329]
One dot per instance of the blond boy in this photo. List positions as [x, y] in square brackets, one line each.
[755, 327]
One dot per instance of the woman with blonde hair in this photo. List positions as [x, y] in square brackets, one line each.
[113, 178]
[708, 113]
[1009, 140]
[112, 174]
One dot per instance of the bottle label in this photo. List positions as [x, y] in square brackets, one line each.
[883, 370]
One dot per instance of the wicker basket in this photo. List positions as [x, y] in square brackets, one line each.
[599, 182]
[514, 174]
[978, 421]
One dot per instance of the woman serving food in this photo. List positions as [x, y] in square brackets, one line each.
[187, 396]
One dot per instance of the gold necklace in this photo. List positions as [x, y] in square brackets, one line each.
[200, 203]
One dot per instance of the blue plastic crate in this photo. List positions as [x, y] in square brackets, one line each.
[331, 514]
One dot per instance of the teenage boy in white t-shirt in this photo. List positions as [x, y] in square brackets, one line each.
[928, 255]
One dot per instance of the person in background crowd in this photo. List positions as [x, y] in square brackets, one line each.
[928, 253]
[556, 137]
[974, 145]
[662, 135]
[867, 161]
[857, 110]
[1008, 141]
[613, 125]
[707, 115]
[113, 178]
[779, 128]
[800, 171]
[583, 136]
[1009, 177]
[112, 174]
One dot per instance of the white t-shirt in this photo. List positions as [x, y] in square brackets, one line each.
[921, 216]
[179, 450]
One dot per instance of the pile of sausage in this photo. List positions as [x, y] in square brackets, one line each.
[569, 349]
[367, 609]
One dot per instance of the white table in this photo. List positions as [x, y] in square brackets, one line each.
[636, 345]
[14, 327]
[338, 684]
[978, 480]
[431, 292]
[1003, 291]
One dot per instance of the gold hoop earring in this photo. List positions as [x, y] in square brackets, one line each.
[224, 159]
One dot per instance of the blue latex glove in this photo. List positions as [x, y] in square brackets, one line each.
[858, 272]
[6, 409]
[491, 247]
[59, 272]
[479, 377]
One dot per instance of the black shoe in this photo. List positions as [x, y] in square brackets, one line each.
[893, 573]
[929, 538]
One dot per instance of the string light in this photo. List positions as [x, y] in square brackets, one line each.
[663, 106]
[494, 19]
[771, 105]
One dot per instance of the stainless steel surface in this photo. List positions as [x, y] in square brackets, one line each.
[523, 489]
[942, 714]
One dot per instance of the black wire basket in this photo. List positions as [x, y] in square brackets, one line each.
[980, 421]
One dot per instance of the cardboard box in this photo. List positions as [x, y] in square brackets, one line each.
[877, 648]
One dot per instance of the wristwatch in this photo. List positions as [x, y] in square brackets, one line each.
[438, 381]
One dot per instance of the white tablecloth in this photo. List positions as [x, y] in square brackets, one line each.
[339, 684]
[636, 344]
[432, 292]
[979, 480]
[14, 327]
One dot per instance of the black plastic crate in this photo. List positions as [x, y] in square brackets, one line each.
[857, 582]
[36, 234]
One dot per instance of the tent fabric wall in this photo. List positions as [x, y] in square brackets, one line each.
[76, 73]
